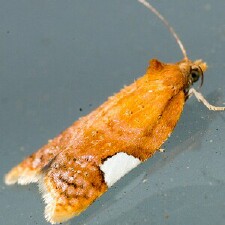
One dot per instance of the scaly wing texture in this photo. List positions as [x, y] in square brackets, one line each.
[136, 121]
[74, 181]
[70, 186]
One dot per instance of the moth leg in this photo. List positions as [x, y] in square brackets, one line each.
[201, 98]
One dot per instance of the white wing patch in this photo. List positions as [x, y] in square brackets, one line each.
[117, 166]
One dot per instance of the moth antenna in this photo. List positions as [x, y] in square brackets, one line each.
[166, 23]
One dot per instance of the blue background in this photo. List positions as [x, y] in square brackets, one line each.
[61, 59]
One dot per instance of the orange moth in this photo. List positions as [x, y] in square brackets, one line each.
[81, 163]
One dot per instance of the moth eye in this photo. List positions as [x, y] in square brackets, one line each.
[195, 74]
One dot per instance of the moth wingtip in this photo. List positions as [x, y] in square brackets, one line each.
[21, 176]
[48, 199]
[9, 180]
[12, 176]
[49, 212]
[54, 213]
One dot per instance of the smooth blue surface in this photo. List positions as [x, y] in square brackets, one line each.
[61, 59]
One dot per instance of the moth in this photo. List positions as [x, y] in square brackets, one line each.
[81, 163]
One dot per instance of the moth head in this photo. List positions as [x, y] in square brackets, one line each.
[194, 71]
